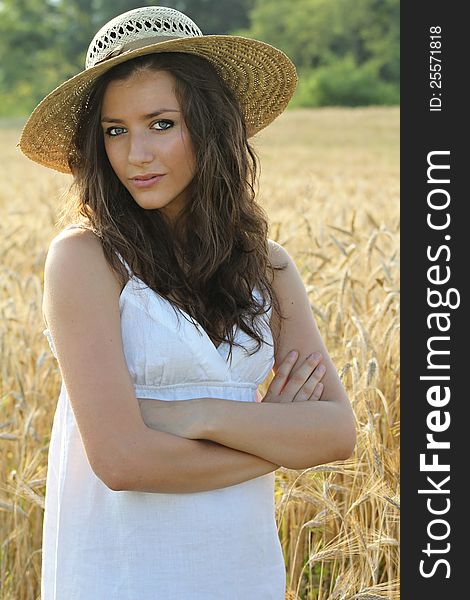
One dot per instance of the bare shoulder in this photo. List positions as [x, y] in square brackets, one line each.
[81, 308]
[72, 243]
[77, 246]
[75, 259]
[277, 253]
[282, 277]
[299, 330]
[285, 271]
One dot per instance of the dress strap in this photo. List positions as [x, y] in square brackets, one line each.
[128, 269]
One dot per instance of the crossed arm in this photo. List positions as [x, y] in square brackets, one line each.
[235, 441]
[295, 435]
[216, 443]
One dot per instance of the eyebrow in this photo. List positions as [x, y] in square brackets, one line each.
[145, 117]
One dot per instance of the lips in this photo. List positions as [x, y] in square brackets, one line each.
[146, 181]
[146, 176]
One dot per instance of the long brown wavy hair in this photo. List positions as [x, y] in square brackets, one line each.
[216, 251]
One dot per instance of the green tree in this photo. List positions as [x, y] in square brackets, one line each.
[338, 47]
[346, 51]
[318, 32]
[43, 42]
[212, 16]
[28, 63]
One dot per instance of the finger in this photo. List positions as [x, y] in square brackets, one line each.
[300, 375]
[311, 384]
[317, 392]
[283, 372]
[301, 378]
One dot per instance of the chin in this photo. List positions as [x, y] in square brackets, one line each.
[149, 204]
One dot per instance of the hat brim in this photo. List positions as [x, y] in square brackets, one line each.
[261, 76]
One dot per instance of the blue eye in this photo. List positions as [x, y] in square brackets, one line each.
[115, 129]
[163, 125]
[165, 122]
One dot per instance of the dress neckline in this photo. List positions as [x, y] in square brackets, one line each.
[173, 304]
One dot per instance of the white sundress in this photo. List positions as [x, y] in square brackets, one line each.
[222, 544]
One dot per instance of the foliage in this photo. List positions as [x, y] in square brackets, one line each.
[44, 42]
[338, 46]
[33, 34]
[344, 83]
[346, 52]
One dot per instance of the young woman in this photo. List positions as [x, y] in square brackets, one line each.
[166, 306]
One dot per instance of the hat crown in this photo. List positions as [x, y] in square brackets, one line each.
[134, 27]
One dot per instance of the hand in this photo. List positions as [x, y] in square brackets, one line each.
[303, 384]
[178, 417]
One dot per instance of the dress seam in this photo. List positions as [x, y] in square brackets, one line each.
[209, 383]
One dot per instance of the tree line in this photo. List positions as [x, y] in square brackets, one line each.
[346, 51]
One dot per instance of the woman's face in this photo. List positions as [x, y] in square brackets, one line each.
[147, 142]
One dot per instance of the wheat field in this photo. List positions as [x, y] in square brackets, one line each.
[330, 185]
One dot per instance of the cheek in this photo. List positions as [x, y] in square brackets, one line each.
[109, 152]
[191, 157]
[179, 152]
[187, 157]
[113, 157]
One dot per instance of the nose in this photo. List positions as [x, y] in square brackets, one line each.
[140, 150]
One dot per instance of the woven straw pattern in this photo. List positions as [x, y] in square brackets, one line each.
[142, 23]
[262, 77]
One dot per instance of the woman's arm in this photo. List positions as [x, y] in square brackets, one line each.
[208, 465]
[188, 465]
[298, 434]
[81, 305]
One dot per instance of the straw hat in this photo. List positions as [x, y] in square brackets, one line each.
[262, 77]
